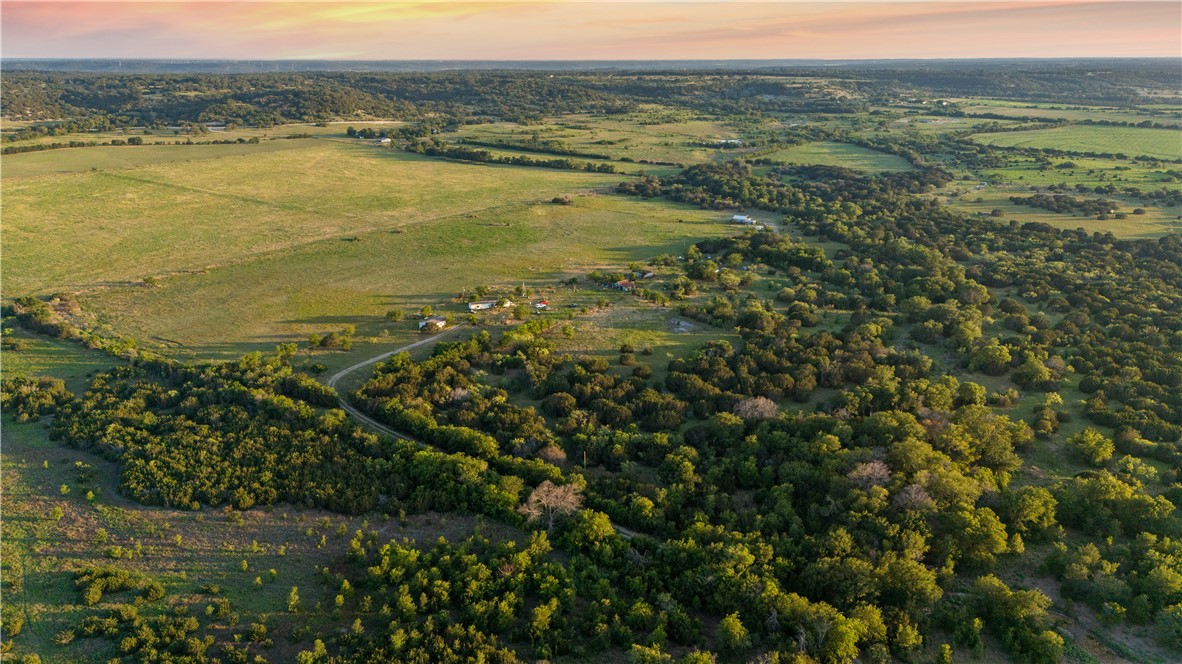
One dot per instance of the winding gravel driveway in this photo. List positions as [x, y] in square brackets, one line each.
[362, 417]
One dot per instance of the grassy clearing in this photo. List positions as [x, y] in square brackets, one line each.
[1155, 223]
[1087, 171]
[998, 184]
[1017, 180]
[830, 153]
[645, 327]
[74, 160]
[43, 356]
[83, 230]
[286, 294]
[1158, 143]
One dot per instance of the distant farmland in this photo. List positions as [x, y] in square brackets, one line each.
[1132, 141]
[846, 155]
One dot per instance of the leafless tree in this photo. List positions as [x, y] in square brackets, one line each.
[756, 408]
[913, 497]
[873, 473]
[552, 454]
[549, 501]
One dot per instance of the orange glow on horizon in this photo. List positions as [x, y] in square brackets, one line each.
[590, 31]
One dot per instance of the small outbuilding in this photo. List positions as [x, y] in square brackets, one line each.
[742, 219]
[432, 324]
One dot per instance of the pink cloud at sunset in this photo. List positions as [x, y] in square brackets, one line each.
[586, 30]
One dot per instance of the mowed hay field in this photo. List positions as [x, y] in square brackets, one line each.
[831, 153]
[1132, 141]
[250, 250]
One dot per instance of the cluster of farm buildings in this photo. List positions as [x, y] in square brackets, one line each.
[745, 220]
[436, 323]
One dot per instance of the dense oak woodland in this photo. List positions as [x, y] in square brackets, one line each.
[831, 486]
[272, 98]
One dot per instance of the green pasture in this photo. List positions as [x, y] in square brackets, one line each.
[94, 229]
[1022, 174]
[622, 167]
[642, 135]
[170, 136]
[935, 124]
[1134, 142]
[1167, 115]
[1026, 172]
[39, 355]
[286, 294]
[846, 155]
[1155, 223]
[104, 158]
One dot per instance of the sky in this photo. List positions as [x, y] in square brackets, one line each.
[560, 30]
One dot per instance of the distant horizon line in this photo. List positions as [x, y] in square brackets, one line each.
[881, 59]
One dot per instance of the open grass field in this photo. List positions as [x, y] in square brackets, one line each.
[998, 184]
[643, 135]
[74, 160]
[1134, 142]
[1165, 115]
[622, 167]
[830, 153]
[934, 124]
[170, 136]
[83, 230]
[279, 244]
[286, 294]
[1088, 171]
